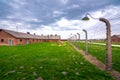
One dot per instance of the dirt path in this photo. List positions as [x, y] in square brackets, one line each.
[98, 63]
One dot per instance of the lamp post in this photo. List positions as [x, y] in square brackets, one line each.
[86, 41]
[108, 41]
[71, 38]
[78, 40]
[75, 37]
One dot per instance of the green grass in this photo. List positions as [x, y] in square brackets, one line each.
[99, 51]
[116, 43]
[113, 43]
[50, 61]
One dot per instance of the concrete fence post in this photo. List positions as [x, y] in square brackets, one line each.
[86, 41]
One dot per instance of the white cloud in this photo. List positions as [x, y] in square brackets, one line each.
[73, 6]
[74, 24]
[63, 23]
[31, 19]
[64, 1]
[57, 13]
[17, 3]
[64, 26]
[46, 28]
[20, 17]
[107, 12]
[98, 29]
[8, 24]
[95, 28]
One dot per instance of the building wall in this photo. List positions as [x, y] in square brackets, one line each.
[54, 40]
[5, 38]
[20, 41]
[115, 39]
[30, 41]
[15, 41]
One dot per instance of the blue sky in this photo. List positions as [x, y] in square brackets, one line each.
[61, 17]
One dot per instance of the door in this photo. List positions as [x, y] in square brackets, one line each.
[10, 42]
[27, 41]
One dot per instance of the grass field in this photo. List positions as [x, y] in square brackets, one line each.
[114, 43]
[49, 61]
[99, 51]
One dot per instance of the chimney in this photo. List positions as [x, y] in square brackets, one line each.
[55, 34]
[51, 35]
[28, 32]
[34, 34]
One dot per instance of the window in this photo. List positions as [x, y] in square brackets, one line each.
[2, 40]
[20, 40]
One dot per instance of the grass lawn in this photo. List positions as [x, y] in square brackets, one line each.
[99, 51]
[49, 61]
[116, 43]
[104, 42]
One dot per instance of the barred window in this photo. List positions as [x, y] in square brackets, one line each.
[2, 40]
[20, 40]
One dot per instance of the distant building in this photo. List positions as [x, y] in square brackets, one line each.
[8, 37]
[115, 38]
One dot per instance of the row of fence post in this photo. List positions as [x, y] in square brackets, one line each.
[73, 38]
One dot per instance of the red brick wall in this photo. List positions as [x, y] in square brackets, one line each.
[20, 41]
[115, 39]
[54, 40]
[6, 37]
[16, 41]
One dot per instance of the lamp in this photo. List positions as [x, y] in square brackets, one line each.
[108, 41]
[85, 18]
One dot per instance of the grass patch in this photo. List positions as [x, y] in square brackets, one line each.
[116, 43]
[99, 51]
[47, 60]
[104, 42]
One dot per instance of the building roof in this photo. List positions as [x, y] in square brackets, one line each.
[25, 35]
[116, 36]
[20, 35]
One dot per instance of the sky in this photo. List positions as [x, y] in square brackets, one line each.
[62, 17]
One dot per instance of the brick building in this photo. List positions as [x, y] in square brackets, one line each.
[115, 38]
[8, 37]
